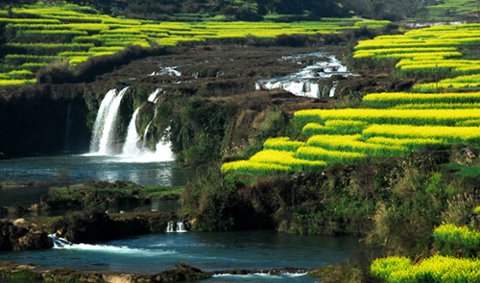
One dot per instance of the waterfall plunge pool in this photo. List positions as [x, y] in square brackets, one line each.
[81, 168]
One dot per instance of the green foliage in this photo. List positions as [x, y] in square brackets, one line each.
[451, 234]
[465, 170]
[434, 269]
[211, 200]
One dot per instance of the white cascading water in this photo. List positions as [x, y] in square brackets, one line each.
[153, 96]
[110, 125]
[100, 120]
[305, 82]
[332, 90]
[170, 71]
[104, 132]
[181, 227]
[130, 146]
[61, 243]
[145, 134]
[163, 149]
[178, 228]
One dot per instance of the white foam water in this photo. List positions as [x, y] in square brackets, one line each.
[130, 146]
[178, 228]
[170, 71]
[100, 120]
[108, 130]
[104, 132]
[305, 82]
[63, 244]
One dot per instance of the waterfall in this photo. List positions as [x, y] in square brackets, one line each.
[59, 242]
[181, 227]
[145, 135]
[178, 228]
[130, 146]
[68, 130]
[100, 120]
[306, 81]
[110, 125]
[153, 96]
[106, 124]
[332, 90]
[163, 149]
[170, 227]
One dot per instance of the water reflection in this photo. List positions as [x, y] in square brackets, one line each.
[90, 167]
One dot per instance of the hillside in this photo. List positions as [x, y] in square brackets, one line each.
[389, 154]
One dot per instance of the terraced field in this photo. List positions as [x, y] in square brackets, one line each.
[40, 34]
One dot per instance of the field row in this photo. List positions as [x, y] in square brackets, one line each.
[461, 82]
[435, 269]
[434, 49]
[397, 98]
[413, 117]
[374, 140]
[352, 135]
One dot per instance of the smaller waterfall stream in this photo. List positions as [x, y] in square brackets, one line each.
[306, 81]
[110, 124]
[178, 228]
[100, 120]
[130, 146]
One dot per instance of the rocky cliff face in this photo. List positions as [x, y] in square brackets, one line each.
[34, 120]
[207, 99]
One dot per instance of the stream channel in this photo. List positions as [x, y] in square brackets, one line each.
[152, 253]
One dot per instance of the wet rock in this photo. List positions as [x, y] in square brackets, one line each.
[8, 235]
[181, 272]
[35, 240]
[13, 237]
[97, 226]
[3, 211]
[31, 272]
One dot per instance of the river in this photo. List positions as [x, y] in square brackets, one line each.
[208, 251]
